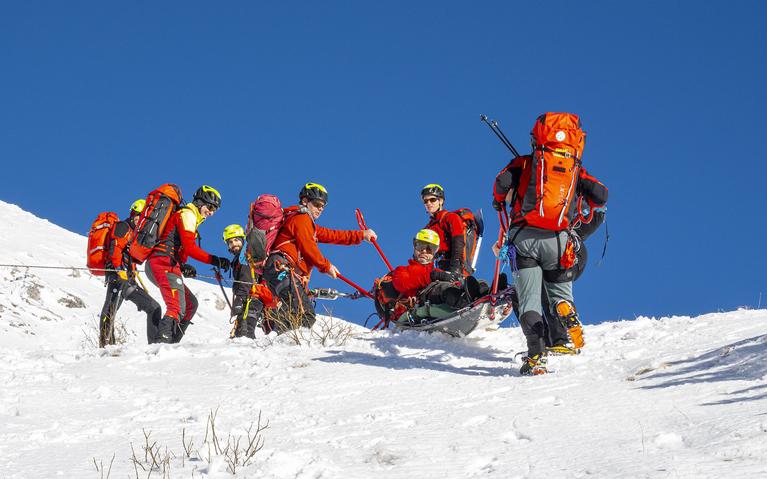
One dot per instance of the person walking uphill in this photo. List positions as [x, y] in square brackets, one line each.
[121, 281]
[249, 296]
[543, 189]
[167, 263]
[295, 253]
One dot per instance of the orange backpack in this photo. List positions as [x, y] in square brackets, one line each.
[98, 242]
[545, 198]
[150, 226]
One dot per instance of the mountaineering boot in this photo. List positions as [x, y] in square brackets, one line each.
[179, 330]
[165, 330]
[503, 282]
[534, 366]
[473, 289]
[561, 349]
[569, 318]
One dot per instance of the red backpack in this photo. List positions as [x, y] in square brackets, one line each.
[98, 242]
[264, 221]
[545, 197]
[150, 226]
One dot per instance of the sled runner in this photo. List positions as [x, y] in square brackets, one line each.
[461, 322]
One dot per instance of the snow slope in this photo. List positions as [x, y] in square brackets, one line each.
[672, 397]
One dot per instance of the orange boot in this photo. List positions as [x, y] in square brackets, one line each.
[569, 318]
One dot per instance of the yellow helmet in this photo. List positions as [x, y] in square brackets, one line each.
[233, 231]
[427, 238]
[138, 206]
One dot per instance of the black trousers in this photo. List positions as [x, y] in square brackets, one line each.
[118, 291]
[297, 310]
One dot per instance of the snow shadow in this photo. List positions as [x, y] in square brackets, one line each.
[745, 360]
[437, 353]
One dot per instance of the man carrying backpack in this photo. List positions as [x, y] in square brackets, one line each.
[121, 283]
[167, 263]
[544, 189]
[419, 281]
[295, 253]
[248, 296]
[451, 229]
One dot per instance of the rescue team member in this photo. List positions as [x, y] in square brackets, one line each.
[249, 296]
[450, 228]
[296, 253]
[167, 263]
[121, 284]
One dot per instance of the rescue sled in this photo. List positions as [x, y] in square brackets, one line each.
[481, 314]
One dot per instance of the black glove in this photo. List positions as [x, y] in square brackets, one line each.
[188, 271]
[499, 205]
[221, 263]
[438, 275]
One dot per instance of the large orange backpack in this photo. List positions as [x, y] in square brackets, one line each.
[99, 238]
[547, 188]
[150, 226]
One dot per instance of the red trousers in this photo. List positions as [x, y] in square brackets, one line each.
[165, 273]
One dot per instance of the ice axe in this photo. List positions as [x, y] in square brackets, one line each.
[364, 226]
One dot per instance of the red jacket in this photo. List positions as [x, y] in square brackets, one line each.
[120, 239]
[447, 225]
[180, 241]
[298, 238]
[409, 280]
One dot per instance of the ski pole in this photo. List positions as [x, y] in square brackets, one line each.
[493, 125]
[364, 226]
[221, 285]
[354, 285]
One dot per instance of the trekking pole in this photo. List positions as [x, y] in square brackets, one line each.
[497, 130]
[221, 285]
[355, 286]
[364, 226]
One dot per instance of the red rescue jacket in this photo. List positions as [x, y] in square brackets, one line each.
[298, 238]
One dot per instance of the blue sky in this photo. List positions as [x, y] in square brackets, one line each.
[100, 102]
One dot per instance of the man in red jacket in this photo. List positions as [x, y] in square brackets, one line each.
[419, 281]
[450, 228]
[295, 254]
[167, 263]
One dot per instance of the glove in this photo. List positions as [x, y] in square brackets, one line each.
[188, 271]
[220, 263]
[499, 205]
[438, 275]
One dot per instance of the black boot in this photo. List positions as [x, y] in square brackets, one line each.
[165, 330]
[179, 330]
[473, 288]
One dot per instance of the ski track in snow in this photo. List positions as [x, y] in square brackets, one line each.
[655, 398]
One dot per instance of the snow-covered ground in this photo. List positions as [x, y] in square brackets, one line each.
[672, 397]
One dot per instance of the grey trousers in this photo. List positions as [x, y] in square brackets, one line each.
[537, 255]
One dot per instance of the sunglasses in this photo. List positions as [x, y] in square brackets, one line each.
[423, 246]
[433, 199]
[318, 204]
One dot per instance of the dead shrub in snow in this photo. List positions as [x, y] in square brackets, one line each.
[103, 474]
[237, 451]
[327, 330]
